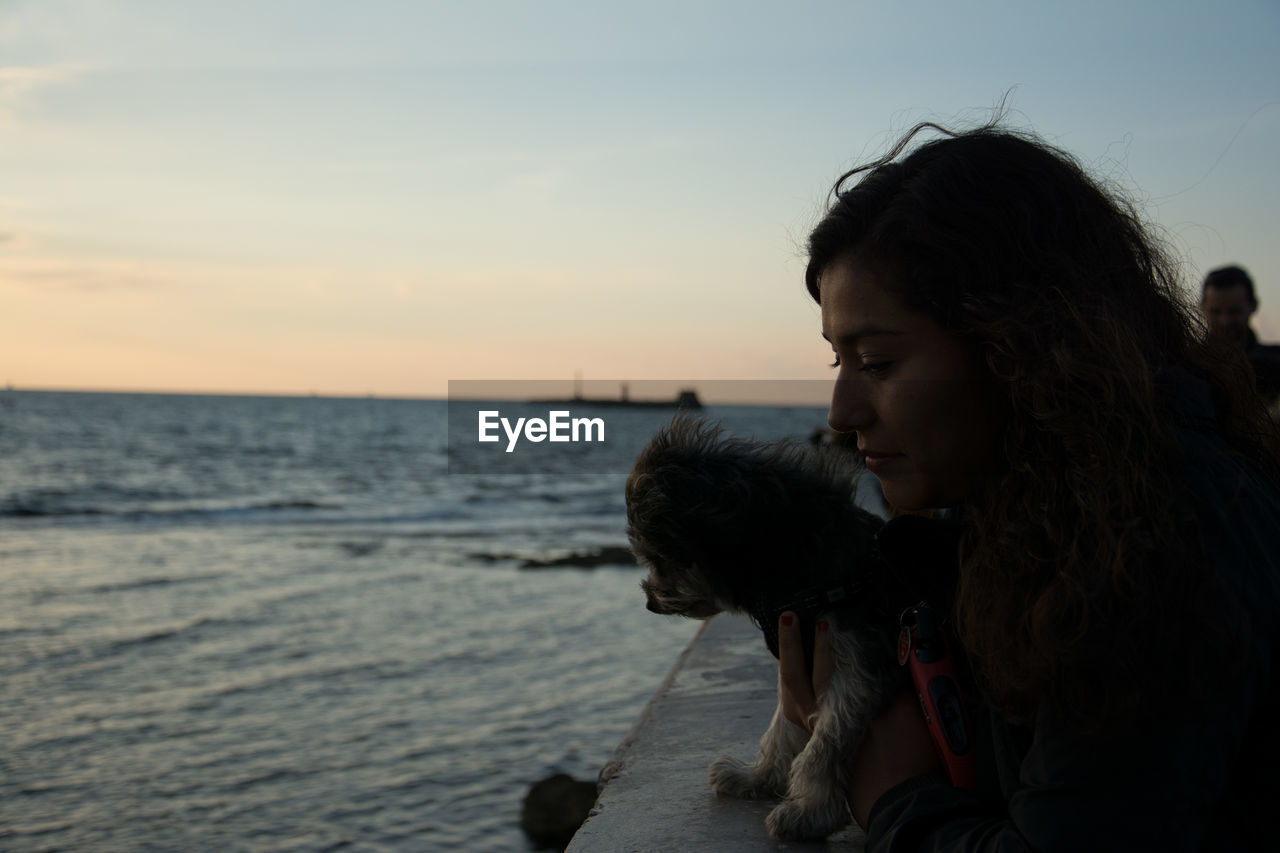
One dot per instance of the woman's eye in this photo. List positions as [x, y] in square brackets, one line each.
[876, 368]
[836, 363]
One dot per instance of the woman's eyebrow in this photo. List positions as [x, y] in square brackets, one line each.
[857, 333]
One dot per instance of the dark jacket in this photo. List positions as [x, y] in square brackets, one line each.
[1208, 784]
[1265, 361]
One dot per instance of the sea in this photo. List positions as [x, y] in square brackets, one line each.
[289, 623]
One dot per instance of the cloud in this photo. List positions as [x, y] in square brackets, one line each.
[95, 276]
[30, 260]
[18, 82]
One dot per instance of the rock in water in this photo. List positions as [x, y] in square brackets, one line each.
[554, 809]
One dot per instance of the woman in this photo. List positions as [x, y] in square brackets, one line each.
[1012, 345]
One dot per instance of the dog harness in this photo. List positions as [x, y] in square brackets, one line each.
[807, 607]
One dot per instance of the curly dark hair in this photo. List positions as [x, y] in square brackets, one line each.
[1081, 553]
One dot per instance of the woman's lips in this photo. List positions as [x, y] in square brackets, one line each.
[877, 461]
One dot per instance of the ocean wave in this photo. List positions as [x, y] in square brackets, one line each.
[143, 583]
[168, 632]
[309, 673]
[20, 509]
[96, 649]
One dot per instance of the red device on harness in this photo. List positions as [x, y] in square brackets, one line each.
[923, 647]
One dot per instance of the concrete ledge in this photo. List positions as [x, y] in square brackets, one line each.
[654, 796]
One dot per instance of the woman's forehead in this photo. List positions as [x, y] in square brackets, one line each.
[854, 294]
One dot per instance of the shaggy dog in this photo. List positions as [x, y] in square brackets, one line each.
[726, 524]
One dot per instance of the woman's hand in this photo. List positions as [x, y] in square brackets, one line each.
[897, 746]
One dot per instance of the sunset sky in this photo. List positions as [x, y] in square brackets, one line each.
[379, 197]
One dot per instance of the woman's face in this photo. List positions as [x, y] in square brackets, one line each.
[922, 401]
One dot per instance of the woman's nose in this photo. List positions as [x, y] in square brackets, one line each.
[850, 407]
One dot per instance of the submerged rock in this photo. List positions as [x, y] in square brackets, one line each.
[608, 555]
[554, 809]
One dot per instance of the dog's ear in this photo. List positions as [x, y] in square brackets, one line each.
[662, 530]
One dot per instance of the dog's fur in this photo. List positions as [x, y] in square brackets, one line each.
[724, 524]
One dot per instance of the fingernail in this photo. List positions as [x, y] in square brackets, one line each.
[822, 626]
[786, 620]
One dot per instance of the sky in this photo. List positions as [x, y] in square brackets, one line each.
[380, 197]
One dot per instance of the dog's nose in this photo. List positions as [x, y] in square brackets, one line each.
[654, 607]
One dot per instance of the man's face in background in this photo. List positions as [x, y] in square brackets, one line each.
[1227, 311]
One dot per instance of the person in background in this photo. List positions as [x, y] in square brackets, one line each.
[1228, 301]
[1013, 346]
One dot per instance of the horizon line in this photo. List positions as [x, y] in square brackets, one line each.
[319, 395]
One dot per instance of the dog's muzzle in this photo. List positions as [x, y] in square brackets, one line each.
[653, 606]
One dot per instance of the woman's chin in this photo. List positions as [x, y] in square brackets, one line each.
[908, 497]
[901, 496]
